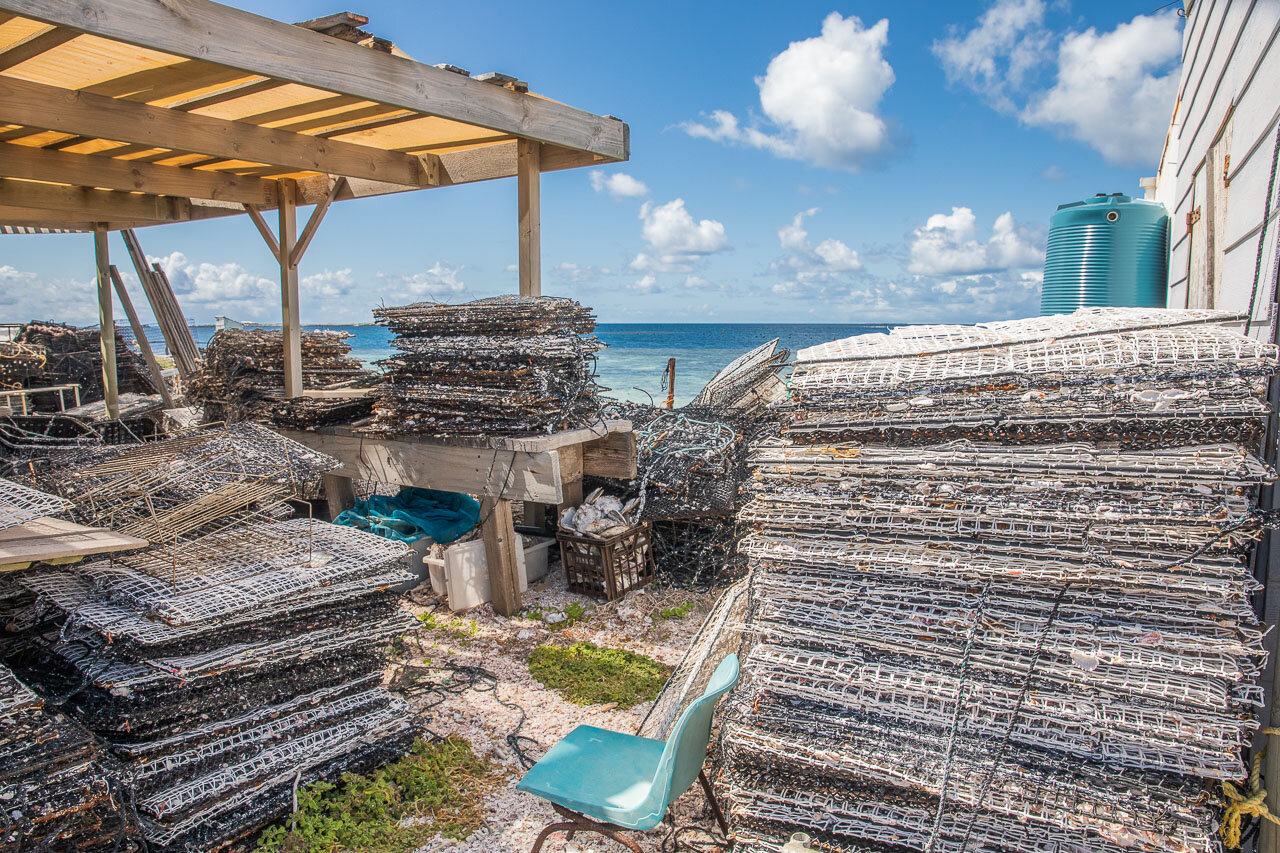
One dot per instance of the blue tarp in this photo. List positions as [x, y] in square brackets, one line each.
[414, 513]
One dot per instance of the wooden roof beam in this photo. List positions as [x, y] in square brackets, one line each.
[86, 170]
[208, 31]
[81, 203]
[53, 108]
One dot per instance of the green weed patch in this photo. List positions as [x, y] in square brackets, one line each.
[586, 674]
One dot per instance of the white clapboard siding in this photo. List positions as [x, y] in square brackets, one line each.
[1218, 157]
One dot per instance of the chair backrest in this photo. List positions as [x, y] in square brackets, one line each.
[686, 749]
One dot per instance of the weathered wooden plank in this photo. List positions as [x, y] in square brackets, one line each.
[612, 456]
[528, 207]
[500, 543]
[339, 493]
[290, 306]
[43, 164]
[106, 324]
[515, 475]
[56, 539]
[570, 475]
[204, 30]
[53, 108]
[84, 203]
[140, 335]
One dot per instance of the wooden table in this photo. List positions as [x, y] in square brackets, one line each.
[542, 471]
[56, 540]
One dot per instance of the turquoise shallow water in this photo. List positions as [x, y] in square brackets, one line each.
[634, 362]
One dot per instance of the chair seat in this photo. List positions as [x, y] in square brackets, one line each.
[602, 774]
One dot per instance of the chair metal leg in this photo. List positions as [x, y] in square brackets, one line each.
[575, 823]
[715, 807]
[542, 836]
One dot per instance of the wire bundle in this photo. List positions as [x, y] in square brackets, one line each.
[237, 657]
[242, 378]
[56, 786]
[509, 365]
[72, 355]
[971, 636]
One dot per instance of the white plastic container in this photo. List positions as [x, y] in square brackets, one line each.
[466, 571]
[535, 556]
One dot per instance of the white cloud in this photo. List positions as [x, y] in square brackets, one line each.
[1054, 172]
[617, 184]
[578, 273]
[822, 97]
[809, 268]
[1115, 91]
[27, 296]
[439, 280]
[696, 282]
[327, 284]
[794, 237]
[1112, 91]
[646, 284]
[948, 245]
[675, 239]
[995, 58]
[836, 256]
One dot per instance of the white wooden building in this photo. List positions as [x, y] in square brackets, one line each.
[1217, 160]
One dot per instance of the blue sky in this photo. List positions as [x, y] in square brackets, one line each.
[799, 162]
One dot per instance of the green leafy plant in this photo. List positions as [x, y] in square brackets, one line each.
[586, 674]
[437, 785]
[457, 629]
[676, 612]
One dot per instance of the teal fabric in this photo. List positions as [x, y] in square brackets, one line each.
[626, 780]
[413, 514]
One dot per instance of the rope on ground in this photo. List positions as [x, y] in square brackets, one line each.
[1244, 801]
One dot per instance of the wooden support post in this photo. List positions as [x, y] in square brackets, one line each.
[107, 323]
[140, 334]
[570, 476]
[671, 383]
[339, 493]
[528, 181]
[288, 238]
[500, 543]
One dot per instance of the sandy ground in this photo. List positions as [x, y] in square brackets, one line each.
[479, 637]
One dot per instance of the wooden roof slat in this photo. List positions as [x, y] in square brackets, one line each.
[350, 119]
[84, 170]
[307, 108]
[35, 104]
[167, 81]
[204, 30]
[231, 93]
[365, 126]
[34, 45]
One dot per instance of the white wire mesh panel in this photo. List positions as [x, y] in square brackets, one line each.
[20, 504]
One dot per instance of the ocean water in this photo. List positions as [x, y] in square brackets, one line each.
[633, 365]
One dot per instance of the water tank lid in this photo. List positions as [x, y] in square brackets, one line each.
[1100, 198]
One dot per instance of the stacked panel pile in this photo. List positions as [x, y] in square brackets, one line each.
[238, 656]
[74, 355]
[1005, 645]
[510, 365]
[57, 787]
[20, 363]
[242, 378]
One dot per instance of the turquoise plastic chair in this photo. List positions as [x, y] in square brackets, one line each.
[604, 782]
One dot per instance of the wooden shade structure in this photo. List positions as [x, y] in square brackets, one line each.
[120, 114]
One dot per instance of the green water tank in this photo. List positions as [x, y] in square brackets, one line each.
[1106, 250]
